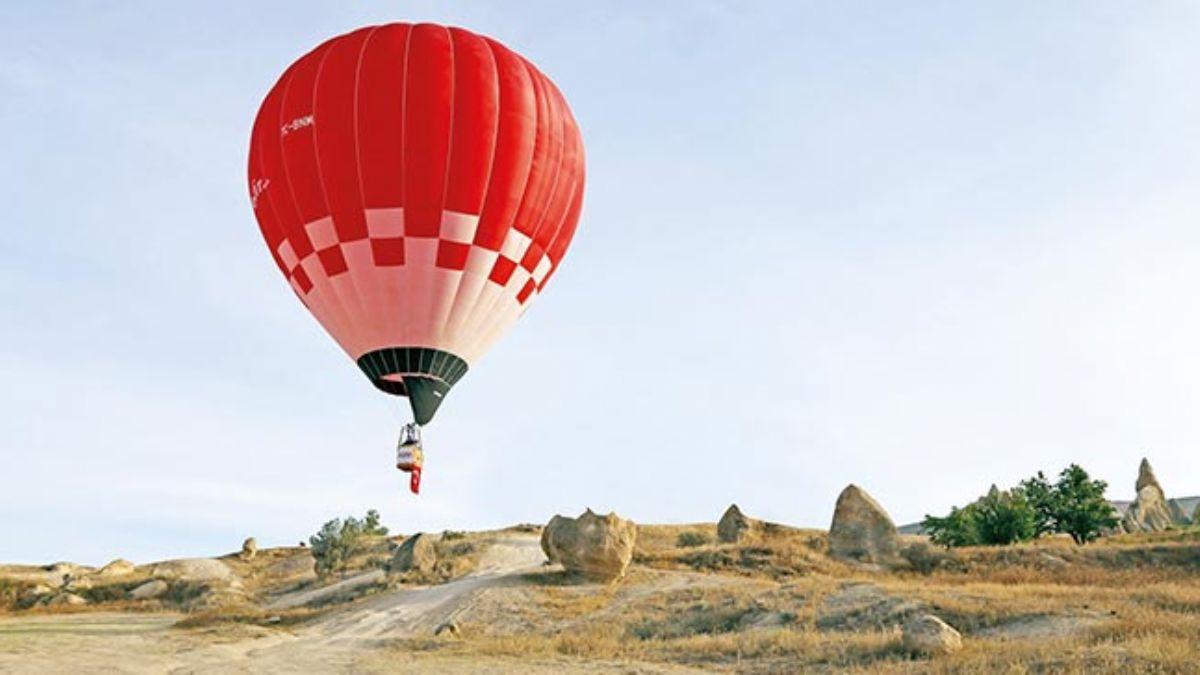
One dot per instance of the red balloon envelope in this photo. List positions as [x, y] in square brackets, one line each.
[418, 186]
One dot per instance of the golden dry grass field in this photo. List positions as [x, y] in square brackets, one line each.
[1126, 604]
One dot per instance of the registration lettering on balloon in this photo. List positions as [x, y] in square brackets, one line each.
[298, 123]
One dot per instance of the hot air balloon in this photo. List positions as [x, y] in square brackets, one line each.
[417, 186]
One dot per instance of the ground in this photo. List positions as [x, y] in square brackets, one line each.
[779, 604]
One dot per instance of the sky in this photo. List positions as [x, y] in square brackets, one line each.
[921, 247]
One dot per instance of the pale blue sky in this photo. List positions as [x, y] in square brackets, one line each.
[923, 247]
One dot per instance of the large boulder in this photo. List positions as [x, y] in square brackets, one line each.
[149, 590]
[116, 568]
[418, 553]
[735, 526]
[930, 636]
[249, 549]
[1149, 511]
[598, 548]
[204, 570]
[861, 530]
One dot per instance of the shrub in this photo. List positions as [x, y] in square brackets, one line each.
[957, 529]
[371, 526]
[339, 540]
[997, 518]
[1004, 518]
[691, 539]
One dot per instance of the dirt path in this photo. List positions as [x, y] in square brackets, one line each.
[144, 643]
[418, 611]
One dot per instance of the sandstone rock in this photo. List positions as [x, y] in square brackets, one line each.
[1149, 511]
[116, 568]
[417, 553]
[1146, 476]
[249, 549]
[195, 570]
[449, 629]
[861, 529]
[597, 547]
[149, 590]
[65, 599]
[929, 635]
[735, 526]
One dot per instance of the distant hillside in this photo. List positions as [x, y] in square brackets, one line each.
[1188, 504]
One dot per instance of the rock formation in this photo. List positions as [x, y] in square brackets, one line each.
[1146, 476]
[116, 568]
[194, 569]
[417, 553]
[1149, 511]
[929, 635]
[249, 549]
[597, 547]
[861, 529]
[735, 526]
[149, 590]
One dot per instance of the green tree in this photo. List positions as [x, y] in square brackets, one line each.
[1043, 498]
[1080, 507]
[339, 540]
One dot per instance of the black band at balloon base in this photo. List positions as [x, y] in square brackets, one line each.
[423, 374]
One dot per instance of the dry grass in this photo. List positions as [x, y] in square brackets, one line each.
[778, 604]
[1130, 604]
[778, 553]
